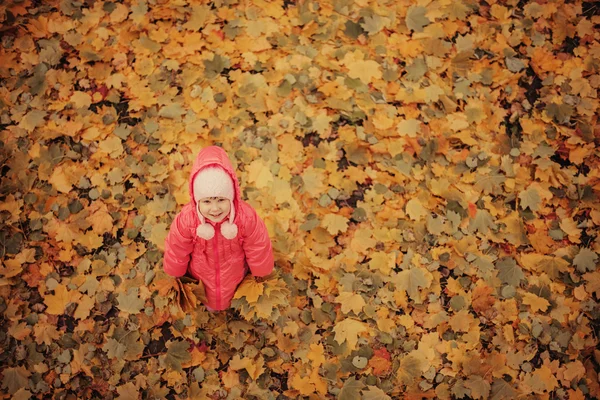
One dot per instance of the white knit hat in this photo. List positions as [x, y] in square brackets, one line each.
[214, 182]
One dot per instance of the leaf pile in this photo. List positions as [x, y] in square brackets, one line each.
[428, 172]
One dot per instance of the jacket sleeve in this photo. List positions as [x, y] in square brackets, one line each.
[179, 245]
[257, 245]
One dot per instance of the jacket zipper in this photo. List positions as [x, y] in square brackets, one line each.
[217, 270]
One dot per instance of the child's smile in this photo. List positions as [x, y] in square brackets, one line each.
[214, 209]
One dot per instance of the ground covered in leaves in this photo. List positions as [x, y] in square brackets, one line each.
[428, 172]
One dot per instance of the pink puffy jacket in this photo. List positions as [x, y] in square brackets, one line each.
[219, 263]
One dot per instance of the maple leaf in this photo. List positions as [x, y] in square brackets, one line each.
[585, 260]
[130, 302]
[177, 354]
[374, 393]
[416, 19]
[351, 302]
[351, 389]
[15, 378]
[415, 209]
[58, 301]
[348, 331]
[536, 303]
[530, 198]
[411, 280]
[381, 362]
[509, 272]
[250, 289]
[335, 223]
[480, 388]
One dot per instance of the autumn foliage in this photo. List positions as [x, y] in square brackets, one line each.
[428, 172]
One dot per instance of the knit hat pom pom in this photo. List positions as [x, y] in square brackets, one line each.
[229, 230]
[205, 231]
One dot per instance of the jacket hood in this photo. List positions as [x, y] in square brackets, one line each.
[209, 157]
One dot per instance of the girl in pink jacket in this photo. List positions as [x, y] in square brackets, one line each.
[217, 236]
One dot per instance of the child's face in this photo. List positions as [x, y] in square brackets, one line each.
[215, 209]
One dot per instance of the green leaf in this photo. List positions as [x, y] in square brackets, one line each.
[585, 260]
[416, 19]
[177, 353]
[351, 390]
[509, 272]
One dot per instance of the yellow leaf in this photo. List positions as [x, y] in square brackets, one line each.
[127, 391]
[351, 302]
[111, 146]
[462, 321]
[415, 210]
[90, 240]
[383, 262]
[536, 303]
[19, 331]
[365, 70]
[159, 234]
[254, 367]
[569, 226]
[282, 191]
[60, 299]
[348, 331]
[33, 119]
[318, 381]
[573, 370]
[542, 380]
[382, 121]
[250, 289]
[45, 332]
[362, 240]
[62, 179]
[81, 99]
[230, 379]
[303, 385]
[314, 181]
[260, 174]
[316, 354]
[335, 223]
[409, 127]
[457, 121]
[84, 307]
[100, 219]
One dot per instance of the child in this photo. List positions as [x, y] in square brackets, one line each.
[217, 236]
